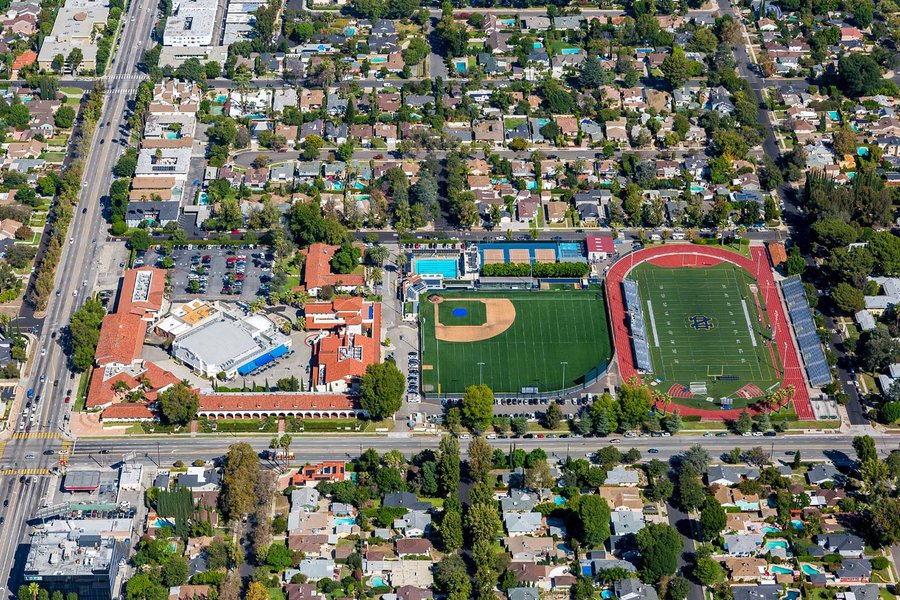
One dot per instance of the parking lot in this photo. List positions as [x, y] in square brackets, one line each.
[216, 273]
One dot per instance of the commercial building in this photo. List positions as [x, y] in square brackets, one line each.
[76, 26]
[81, 481]
[191, 24]
[231, 344]
[71, 561]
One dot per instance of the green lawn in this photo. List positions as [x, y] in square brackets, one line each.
[71, 91]
[558, 337]
[458, 312]
[703, 325]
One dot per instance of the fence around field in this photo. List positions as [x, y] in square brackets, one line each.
[594, 375]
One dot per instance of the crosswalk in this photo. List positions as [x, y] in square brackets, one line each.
[24, 472]
[2, 448]
[139, 76]
[121, 91]
[37, 435]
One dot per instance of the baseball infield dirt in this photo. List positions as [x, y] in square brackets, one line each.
[500, 314]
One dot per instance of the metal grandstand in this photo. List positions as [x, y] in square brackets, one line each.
[817, 369]
[638, 328]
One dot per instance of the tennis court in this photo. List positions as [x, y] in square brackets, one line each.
[556, 338]
[707, 328]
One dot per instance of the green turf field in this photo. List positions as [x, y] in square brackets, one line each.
[550, 327]
[702, 324]
[474, 313]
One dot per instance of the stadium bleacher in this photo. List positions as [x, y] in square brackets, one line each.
[817, 370]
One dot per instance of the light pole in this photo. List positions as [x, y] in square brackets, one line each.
[480, 365]
[563, 363]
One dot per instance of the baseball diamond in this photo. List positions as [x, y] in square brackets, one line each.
[548, 340]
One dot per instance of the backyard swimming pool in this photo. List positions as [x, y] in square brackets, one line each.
[445, 267]
[796, 523]
[810, 570]
[780, 570]
[775, 544]
[768, 529]
[344, 521]
[378, 582]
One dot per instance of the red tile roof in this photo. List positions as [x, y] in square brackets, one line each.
[127, 411]
[155, 294]
[25, 59]
[274, 402]
[121, 339]
[101, 392]
[317, 270]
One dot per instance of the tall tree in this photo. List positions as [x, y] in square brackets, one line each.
[241, 472]
[381, 390]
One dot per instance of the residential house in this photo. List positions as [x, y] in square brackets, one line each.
[518, 523]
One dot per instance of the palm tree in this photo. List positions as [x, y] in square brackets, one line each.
[34, 589]
[285, 443]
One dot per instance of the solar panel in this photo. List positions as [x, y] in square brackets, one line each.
[817, 370]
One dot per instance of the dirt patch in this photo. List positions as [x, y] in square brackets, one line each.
[500, 313]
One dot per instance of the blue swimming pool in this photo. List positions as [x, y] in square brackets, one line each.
[378, 582]
[204, 199]
[538, 45]
[161, 522]
[221, 98]
[810, 570]
[768, 529]
[559, 501]
[797, 524]
[567, 51]
[775, 544]
[834, 115]
[606, 594]
[344, 521]
[780, 570]
[446, 267]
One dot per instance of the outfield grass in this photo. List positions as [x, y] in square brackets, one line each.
[702, 324]
[550, 328]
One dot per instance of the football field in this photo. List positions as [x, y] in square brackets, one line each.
[510, 340]
[708, 333]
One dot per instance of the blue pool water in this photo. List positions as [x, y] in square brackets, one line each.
[810, 570]
[436, 266]
[172, 135]
[559, 501]
[538, 45]
[796, 523]
[606, 594]
[508, 21]
[462, 66]
[349, 30]
[337, 185]
[377, 60]
[161, 522]
[204, 199]
[780, 570]
[792, 595]
[221, 98]
[834, 115]
[862, 151]
[586, 570]
[697, 188]
[775, 544]
[378, 582]
[531, 185]
[344, 521]
[566, 51]
[770, 530]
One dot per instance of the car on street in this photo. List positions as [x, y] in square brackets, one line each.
[652, 450]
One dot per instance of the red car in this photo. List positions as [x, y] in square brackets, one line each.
[67, 399]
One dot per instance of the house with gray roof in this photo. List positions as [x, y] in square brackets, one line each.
[730, 475]
[518, 501]
[845, 544]
[535, 23]
[854, 569]
[634, 589]
[769, 591]
[523, 593]
[743, 544]
[306, 499]
[317, 568]
[866, 591]
[568, 22]
[517, 523]
[405, 500]
[821, 473]
[622, 477]
[414, 524]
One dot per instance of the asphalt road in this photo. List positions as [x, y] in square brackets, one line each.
[78, 264]
[167, 449]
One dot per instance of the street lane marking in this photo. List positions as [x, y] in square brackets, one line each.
[37, 435]
[2, 449]
[24, 472]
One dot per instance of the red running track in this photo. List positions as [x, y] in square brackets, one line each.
[694, 255]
